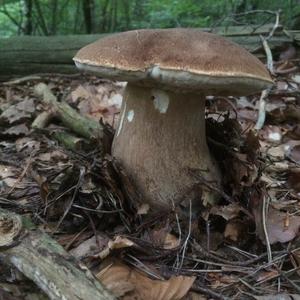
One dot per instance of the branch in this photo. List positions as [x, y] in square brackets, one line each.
[83, 126]
[44, 261]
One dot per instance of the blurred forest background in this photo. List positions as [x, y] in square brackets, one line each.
[62, 17]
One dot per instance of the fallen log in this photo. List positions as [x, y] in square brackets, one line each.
[20, 56]
[43, 260]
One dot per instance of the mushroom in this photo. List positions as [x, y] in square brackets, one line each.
[161, 130]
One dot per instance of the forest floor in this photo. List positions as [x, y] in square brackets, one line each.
[246, 247]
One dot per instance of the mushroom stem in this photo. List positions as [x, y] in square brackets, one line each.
[160, 137]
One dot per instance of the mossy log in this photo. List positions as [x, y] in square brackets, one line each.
[44, 261]
[20, 56]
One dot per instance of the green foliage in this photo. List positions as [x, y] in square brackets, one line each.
[68, 16]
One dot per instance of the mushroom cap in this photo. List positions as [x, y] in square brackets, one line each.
[179, 59]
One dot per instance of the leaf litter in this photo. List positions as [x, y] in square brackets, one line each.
[84, 198]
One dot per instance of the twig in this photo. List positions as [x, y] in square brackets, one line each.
[234, 263]
[78, 185]
[22, 174]
[83, 126]
[262, 110]
[183, 249]
[141, 266]
[209, 292]
[264, 223]
[269, 55]
[22, 80]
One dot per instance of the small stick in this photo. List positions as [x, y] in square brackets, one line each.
[264, 223]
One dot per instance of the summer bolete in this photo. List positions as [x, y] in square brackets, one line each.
[161, 131]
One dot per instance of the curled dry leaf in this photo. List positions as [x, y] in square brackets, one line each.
[171, 241]
[118, 243]
[128, 283]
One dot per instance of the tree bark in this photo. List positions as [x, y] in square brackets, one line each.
[44, 261]
[41, 19]
[87, 8]
[27, 14]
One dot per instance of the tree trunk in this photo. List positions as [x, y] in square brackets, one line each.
[27, 15]
[54, 6]
[87, 7]
[41, 19]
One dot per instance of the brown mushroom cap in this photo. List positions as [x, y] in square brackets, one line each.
[176, 59]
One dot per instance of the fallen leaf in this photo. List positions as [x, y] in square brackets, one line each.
[265, 275]
[171, 241]
[20, 129]
[295, 153]
[131, 284]
[281, 227]
[55, 155]
[228, 212]
[90, 246]
[235, 231]
[19, 111]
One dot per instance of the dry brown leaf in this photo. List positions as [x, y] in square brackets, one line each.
[294, 179]
[80, 93]
[20, 129]
[228, 212]
[277, 153]
[281, 227]
[55, 155]
[131, 284]
[295, 153]
[171, 241]
[265, 275]
[90, 246]
[99, 102]
[19, 111]
[235, 231]
[118, 243]
[28, 144]
[219, 279]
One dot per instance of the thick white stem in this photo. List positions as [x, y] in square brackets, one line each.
[161, 136]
